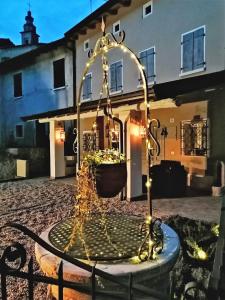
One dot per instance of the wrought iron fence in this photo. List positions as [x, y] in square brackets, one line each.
[14, 259]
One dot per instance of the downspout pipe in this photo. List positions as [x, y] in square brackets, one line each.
[120, 125]
[74, 65]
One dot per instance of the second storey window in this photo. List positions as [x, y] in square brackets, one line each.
[116, 27]
[87, 87]
[17, 81]
[147, 9]
[19, 131]
[147, 59]
[193, 50]
[59, 73]
[116, 81]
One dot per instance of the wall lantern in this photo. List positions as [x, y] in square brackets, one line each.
[60, 135]
[138, 128]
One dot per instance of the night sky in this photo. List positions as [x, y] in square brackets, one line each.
[51, 17]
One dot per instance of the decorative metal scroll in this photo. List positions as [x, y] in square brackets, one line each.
[75, 132]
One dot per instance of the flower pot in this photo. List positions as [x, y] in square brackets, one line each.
[110, 179]
[216, 191]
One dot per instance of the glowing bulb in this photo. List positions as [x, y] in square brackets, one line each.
[87, 64]
[148, 219]
[135, 260]
[202, 255]
[148, 184]
[132, 56]
[151, 243]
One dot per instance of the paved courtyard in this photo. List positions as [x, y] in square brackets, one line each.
[38, 203]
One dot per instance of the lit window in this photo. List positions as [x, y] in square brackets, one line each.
[59, 73]
[17, 80]
[90, 141]
[193, 50]
[147, 59]
[116, 27]
[19, 131]
[194, 137]
[86, 45]
[147, 9]
[87, 87]
[116, 73]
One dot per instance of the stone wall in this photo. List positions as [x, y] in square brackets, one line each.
[38, 161]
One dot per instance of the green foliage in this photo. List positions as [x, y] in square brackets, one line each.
[107, 156]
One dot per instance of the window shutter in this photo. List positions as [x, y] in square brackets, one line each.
[199, 36]
[89, 86]
[113, 77]
[187, 52]
[143, 61]
[85, 91]
[119, 76]
[150, 65]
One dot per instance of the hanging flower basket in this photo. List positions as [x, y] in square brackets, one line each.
[110, 171]
[110, 179]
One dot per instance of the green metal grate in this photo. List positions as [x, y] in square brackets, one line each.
[124, 231]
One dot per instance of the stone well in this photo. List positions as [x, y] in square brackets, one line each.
[151, 274]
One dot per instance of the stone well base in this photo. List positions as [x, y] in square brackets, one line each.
[152, 274]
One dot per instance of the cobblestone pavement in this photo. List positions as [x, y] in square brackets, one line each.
[38, 203]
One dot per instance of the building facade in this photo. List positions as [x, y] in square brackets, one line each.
[181, 47]
[34, 78]
[183, 59]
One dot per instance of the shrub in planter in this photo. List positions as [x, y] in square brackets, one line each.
[110, 172]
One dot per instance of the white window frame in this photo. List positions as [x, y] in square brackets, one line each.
[19, 137]
[90, 98]
[144, 15]
[86, 42]
[181, 61]
[119, 91]
[154, 81]
[114, 27]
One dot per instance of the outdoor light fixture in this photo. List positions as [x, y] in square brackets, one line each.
[60, 135]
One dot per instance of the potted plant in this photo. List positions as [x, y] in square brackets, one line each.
[110, 171]
[216, 188]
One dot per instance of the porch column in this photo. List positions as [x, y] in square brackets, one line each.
[57, 161]
[133, 146]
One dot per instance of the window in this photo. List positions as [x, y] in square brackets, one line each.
[193, 50]
[147, 59]
[86, 45]
[116, 82]
[194, 137]
[19, 131]
[147, 9]
[90, 141]
[87, 87]
[17, 79]
[59, 73]
[116, 27]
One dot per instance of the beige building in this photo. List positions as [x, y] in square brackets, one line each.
[181, 46]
